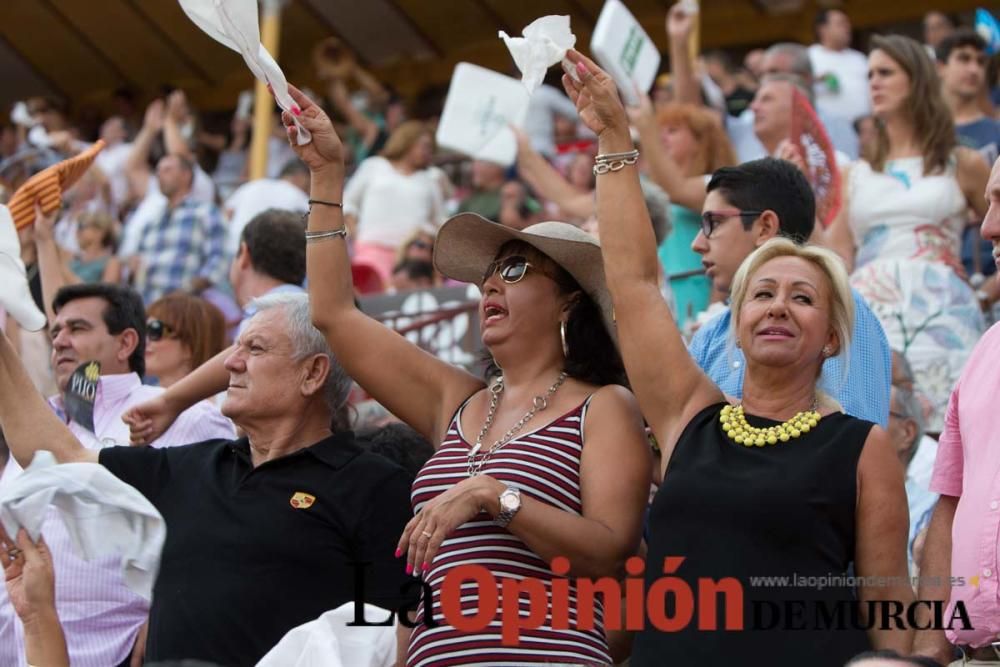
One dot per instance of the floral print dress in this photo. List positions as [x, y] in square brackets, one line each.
[908, 231]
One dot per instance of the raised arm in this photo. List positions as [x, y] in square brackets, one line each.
[670, 387]
[686, 191]
[149, 420]
[137, 164]
[28, 423]
[679, 27]
[173, 137]
[414, 385]
[548, 183]
[51, 266]
[361, 123]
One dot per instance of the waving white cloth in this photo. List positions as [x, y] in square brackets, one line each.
[329, 642]
[15, 297]
[102, 514]
[545, 43]
[233, 23]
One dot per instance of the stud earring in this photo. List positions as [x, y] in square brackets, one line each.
[827, 352]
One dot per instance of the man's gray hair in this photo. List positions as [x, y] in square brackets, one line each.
[799, 55]
[910, 408]
[801, 65]
[307, 341]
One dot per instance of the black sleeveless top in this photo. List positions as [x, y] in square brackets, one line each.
[784, 510]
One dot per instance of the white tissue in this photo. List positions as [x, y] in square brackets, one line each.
[233, 23]
[545, 43]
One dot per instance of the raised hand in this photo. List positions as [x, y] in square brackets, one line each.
[44, 224]
[28, 574]
[155, 113]
[149, 420]
[177, 107]
[680, 22]
[325, 150]
[595, 96]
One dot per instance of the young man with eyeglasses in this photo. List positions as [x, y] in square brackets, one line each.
[745, 207]
[105, 323]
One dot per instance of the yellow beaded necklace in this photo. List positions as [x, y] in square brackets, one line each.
[735, 424]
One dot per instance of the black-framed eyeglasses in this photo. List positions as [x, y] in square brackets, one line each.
[157, 329]
[712, 219]
[511, 269]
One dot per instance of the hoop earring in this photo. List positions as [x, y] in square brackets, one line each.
[562, 336]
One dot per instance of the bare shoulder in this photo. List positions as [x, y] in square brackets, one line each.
[879, 464]
[971, 167]
[613, 416]
[614, 399]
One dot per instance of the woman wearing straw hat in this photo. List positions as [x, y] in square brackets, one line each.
[782, 485]
[549, 459]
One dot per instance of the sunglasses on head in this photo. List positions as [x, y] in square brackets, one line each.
[712, 219]
[156, 329]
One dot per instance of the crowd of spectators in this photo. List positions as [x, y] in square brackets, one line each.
[189, 284]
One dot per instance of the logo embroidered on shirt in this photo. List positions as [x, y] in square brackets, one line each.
[302, 501]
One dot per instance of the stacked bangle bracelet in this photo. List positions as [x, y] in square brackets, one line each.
[314, 237]
[614, 161]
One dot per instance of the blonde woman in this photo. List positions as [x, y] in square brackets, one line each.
[779, 484]
[392, 196]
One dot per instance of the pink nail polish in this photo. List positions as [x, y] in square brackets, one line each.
[297, 111]
[409, 569]
[399, 552]
[425, 567]
[581, 68]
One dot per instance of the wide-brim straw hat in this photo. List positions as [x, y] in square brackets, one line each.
[467, 243]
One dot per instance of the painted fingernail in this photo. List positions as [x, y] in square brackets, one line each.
[297, 111]
[425, 567]
[399, 552]
[409, 568]
[581, 68]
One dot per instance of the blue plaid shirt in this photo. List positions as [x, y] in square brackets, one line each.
[185, 243]
[863, 391]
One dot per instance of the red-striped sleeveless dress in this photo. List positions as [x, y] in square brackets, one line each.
[545, 465]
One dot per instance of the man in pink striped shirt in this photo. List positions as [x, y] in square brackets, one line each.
[100, 615]
[963, 540]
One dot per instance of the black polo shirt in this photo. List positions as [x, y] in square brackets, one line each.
[253, 552]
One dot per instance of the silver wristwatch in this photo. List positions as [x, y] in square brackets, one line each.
[510, 503]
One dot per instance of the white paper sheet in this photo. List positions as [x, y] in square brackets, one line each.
[545, 43]
[233, 23]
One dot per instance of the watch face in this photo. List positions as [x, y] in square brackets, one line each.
[510, 501]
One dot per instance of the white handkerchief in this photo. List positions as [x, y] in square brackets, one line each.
[102, 514]
[545, 43]
[233, 23]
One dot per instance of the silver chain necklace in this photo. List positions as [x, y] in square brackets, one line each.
[538, 403]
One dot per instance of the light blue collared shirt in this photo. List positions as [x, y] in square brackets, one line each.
[863, 390]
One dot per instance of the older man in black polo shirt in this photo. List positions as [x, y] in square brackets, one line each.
[263, 532]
